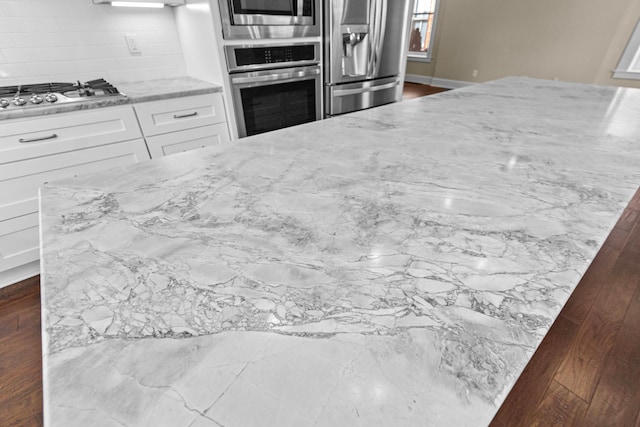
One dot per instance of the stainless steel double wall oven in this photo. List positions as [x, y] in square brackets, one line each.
[275, 86]
[275, 83]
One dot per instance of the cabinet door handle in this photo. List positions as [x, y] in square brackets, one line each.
[40, 138]
[182, 116]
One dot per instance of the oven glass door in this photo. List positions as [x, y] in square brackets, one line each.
[278, 106]
[265, 7]
[264, 103]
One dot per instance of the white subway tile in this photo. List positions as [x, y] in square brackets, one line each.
[70, 53]
[14, 70]
[8, 82]
[167, 36]
[33, 79]
[57, 8]
[71, 24]
[162, 49]
[16, 8]
[12, 25]
[139, 20]
[49, 68]
[132, 62]
[145, 37]
[93, 66]
[18, 55]
[67, 40]
[6, 40]
[40, 24]
[115, 51]
[30, 39]
[76, 39]
[174, 61]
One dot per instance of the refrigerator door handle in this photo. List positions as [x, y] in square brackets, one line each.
[347, 92]
[377, 16]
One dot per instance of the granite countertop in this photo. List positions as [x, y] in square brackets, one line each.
[148, 90]
[396, 266]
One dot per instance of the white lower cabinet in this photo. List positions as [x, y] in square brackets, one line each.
[51, 147]
[38, 150]
[190, 139]
[181, 124]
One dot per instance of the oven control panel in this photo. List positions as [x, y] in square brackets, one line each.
[242, 58]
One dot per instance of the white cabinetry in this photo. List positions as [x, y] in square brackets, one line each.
[38, 150]
[181, 124]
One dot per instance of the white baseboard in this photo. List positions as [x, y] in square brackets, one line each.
[416, 78]
[450, 84]
[435, 81]
[17, 274]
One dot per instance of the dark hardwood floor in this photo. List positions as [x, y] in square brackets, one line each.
[20, 355]
[415, 90]
[586, 372]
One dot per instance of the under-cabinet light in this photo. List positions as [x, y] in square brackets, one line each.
[141, 3]
[136, 4]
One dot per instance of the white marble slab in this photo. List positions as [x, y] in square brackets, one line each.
[396, 266]
[159, 89]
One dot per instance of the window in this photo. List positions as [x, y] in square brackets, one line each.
[423, 25]
[629, 65]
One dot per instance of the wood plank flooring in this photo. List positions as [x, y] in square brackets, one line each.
[415, 90]
[20, 355]
[586, 372]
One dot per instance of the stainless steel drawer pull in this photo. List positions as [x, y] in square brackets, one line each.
[41, 138]
[182, 116]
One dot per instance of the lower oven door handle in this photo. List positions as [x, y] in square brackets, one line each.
[347, 92]
[276, 76]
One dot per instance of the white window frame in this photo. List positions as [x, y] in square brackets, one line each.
[428, 55]
[629, 65]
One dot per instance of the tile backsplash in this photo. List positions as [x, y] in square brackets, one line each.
[69, 40]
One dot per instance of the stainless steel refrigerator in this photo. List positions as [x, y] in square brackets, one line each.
[365, 52]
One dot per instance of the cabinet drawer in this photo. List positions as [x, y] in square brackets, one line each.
[19, 181]
[24, 139]
[19, 241]
[165, 116]
[176, 142]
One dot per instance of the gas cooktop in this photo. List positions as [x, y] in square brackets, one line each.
[39, 94]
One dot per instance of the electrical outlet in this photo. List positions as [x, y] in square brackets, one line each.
[475, 73]
[132, 43]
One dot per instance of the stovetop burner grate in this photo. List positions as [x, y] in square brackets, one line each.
[31, 95]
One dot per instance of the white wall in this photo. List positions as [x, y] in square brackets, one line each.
[68, 40]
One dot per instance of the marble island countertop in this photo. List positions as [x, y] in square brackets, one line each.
[396, 266]
[148, 90]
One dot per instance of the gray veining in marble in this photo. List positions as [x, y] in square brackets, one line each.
[396, 266]
[148, 90]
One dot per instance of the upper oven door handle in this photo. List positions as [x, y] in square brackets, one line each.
[275, 76]
[299, 8]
